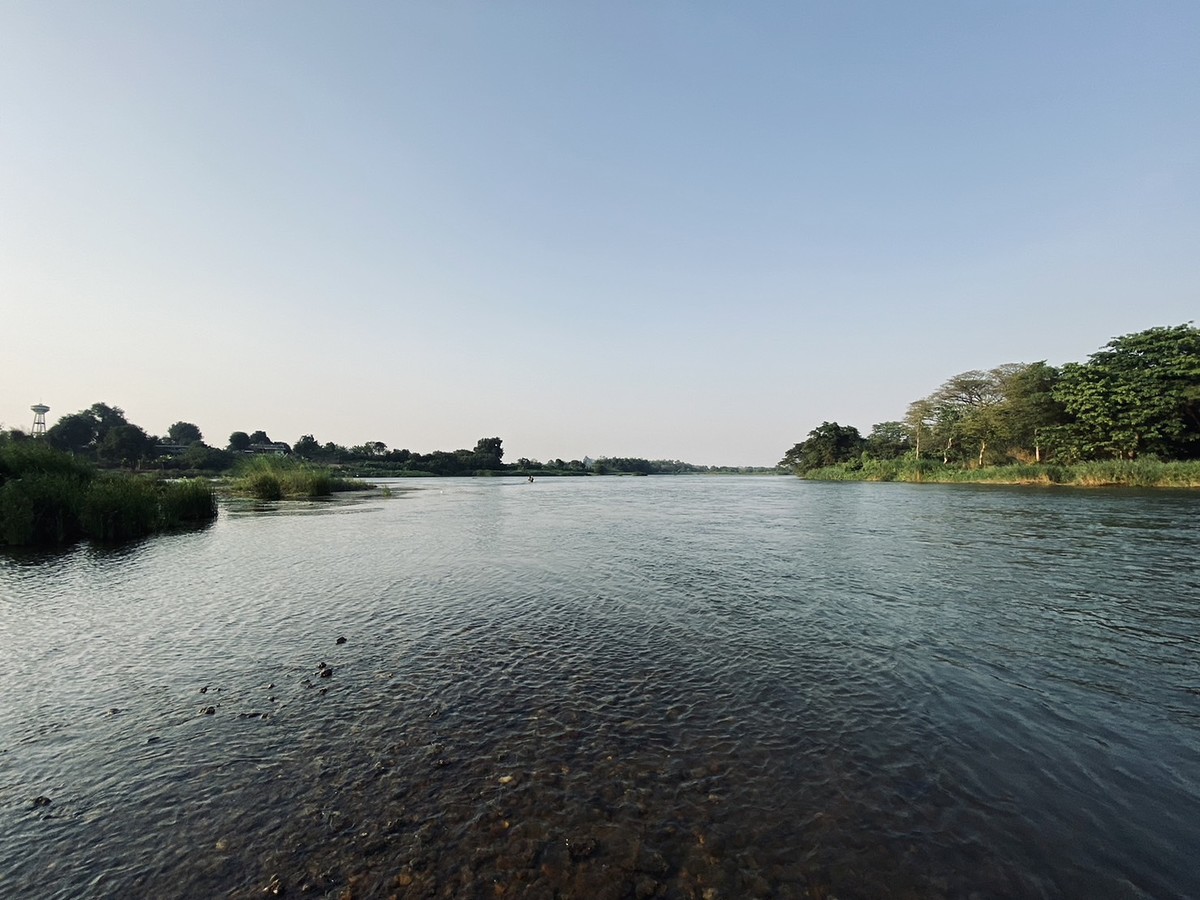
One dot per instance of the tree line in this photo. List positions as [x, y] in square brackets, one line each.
[103, 434]
[1137, 397]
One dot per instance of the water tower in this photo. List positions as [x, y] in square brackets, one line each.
[39, 419]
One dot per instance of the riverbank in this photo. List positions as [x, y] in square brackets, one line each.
[1111, 473]
[49, 498]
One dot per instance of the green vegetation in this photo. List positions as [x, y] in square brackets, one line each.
[102, 435]
[49, 497]
[278, 478]
[1130, 415]
[1101, 473]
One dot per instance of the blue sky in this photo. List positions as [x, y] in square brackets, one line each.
[682, 230]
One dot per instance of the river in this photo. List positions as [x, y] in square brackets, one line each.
[677, 687]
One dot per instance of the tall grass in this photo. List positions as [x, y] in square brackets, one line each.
[277, 478]
[41, 508]
[187, 502]
[34, 457]
[120, 508]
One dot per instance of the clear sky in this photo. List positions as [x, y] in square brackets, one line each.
[688, 230]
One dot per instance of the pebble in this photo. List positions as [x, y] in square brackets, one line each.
[209, 711]
[340, 640]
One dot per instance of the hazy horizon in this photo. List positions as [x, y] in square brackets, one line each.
[676, 231]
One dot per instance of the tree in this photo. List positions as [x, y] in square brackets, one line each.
[125, 444]
[889, 440]
[307, 447]
[107, 417]
[966, 407]
[1030, 408]
[73, 433]
[1140, 394]
[239, 442]
[260, 437]
[488, 454]
[920, 421]
[828, 444]
[184, 433]
[200, 456]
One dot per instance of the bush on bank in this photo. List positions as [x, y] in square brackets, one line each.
[48, 498]
[1125, 473]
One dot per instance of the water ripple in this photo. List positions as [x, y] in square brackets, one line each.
[684, 687]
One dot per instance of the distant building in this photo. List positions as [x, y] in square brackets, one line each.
[276, 448]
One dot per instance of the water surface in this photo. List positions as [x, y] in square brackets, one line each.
[614, 687]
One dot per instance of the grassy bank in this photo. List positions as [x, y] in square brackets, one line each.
[281, 478]
[1124, 473]
[49, 498]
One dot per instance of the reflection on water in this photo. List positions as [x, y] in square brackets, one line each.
[678, 687]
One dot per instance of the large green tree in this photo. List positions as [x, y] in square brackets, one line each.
[1031, 410]
[184, 433]
[889, 440]
[488, 454]
[827, 444]
[74, 432]
[1138, 395]
[84, 432]
[306, 447]
[125, 445]
[967, 410]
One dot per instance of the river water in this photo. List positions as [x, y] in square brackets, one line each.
[680, 687]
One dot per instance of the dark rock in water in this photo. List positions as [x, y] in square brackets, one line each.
[153, 739]
[204, 690]
[114, 711]
[340, 640]
[39, 802]
[581, 849]
[326, 671]
[645, 887]
[209, 711]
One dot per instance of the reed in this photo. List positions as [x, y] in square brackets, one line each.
[34, 457]
[120, 508]
[186, 502]
[48, 498]
[41, 508]
[278, 478]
